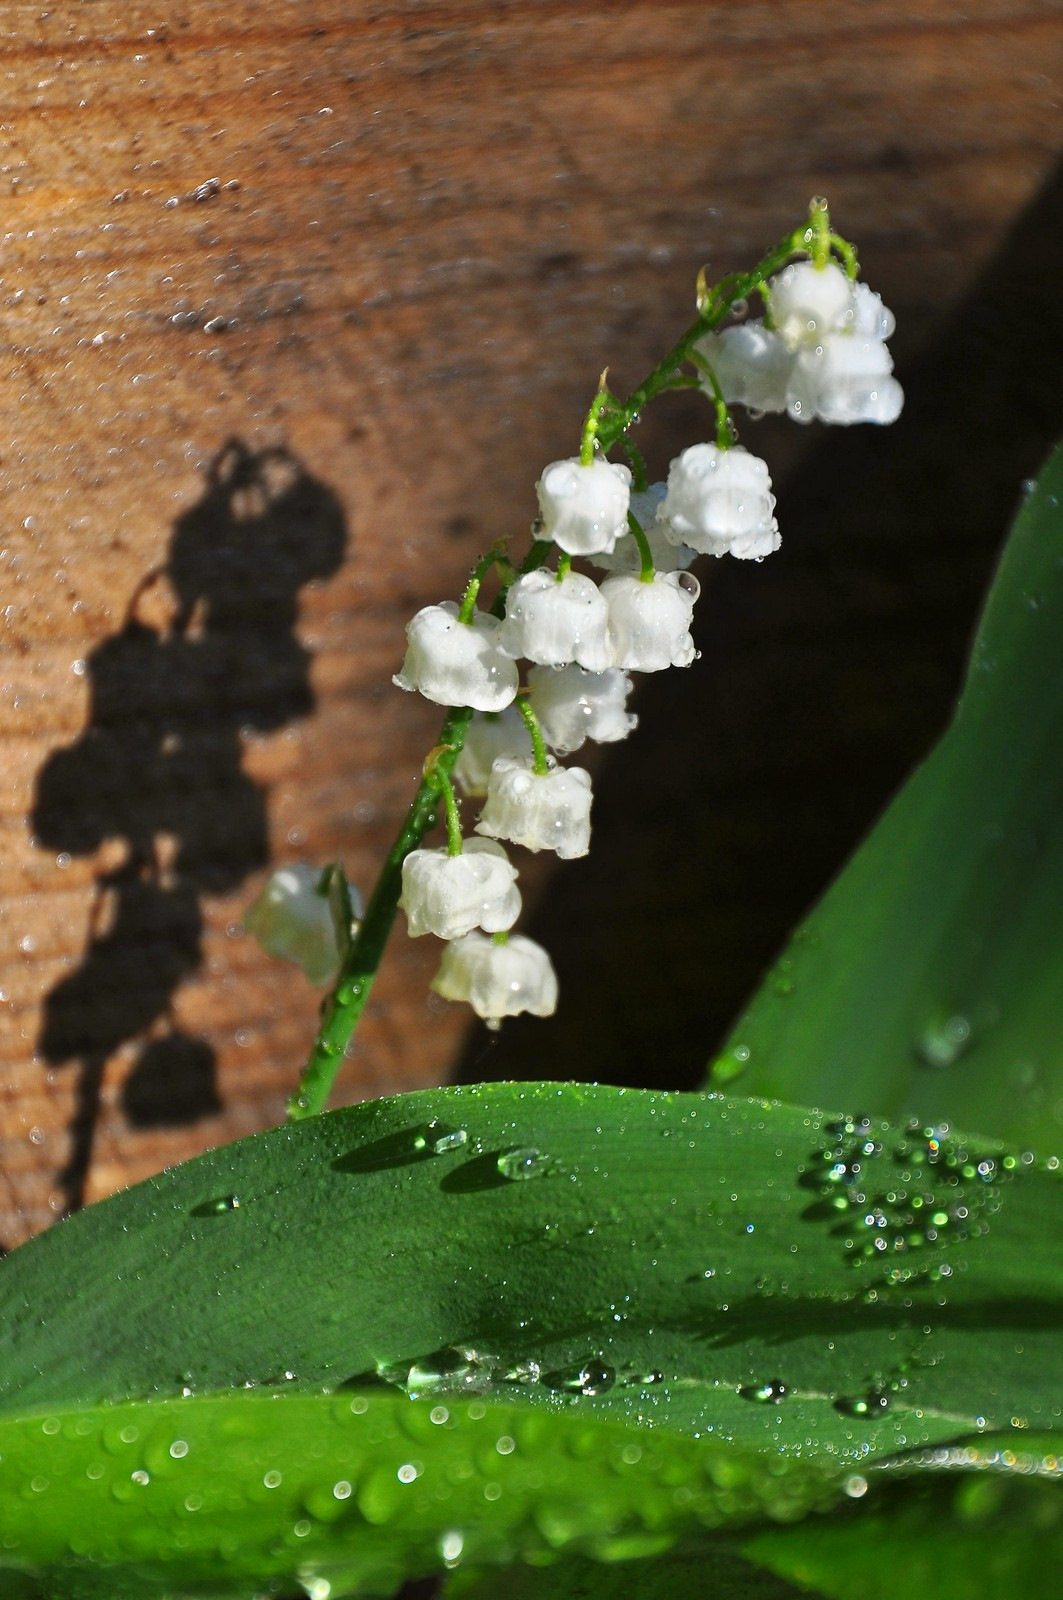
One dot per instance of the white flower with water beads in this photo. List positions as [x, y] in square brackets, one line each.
[458, 663]
[292, 918]
[584, 509]
[553, 620]
[720, 502]
[488, 736]
[751, 363]
[451, 895]
[541, 811]
[870, 317]
[649, 623]
[845, 380]
[498, 980]
[573, 705]
[626, 555]
[809, 302]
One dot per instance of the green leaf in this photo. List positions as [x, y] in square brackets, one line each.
[730, 1269]
[928, 980]
[716, 1569]
[956, 1540]
[228, 1494]
[674, 1305]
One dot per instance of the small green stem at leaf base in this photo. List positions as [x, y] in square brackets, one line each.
[344, 1006]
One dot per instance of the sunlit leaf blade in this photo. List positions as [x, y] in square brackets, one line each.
[728, 1269]
[715, 1570]
[243, 1493]
[954, 1539]
[929, 980]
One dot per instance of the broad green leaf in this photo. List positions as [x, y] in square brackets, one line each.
[729, 1269]
[715, 1569]
[955, 1540]
[928, 981]
[227, 1495]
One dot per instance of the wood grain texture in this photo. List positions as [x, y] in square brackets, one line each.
[297, 299]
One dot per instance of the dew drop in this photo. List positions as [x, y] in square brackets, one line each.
[436, 1139]
[522, 1162]
[764, 1393]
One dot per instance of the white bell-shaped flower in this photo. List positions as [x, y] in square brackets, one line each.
[553, 621]
[809, 302]
[488, 736]
[584, 509]
[751, 363]
[720, 502]
[451, 895]
[843, 380]
[668, 556]
[541, 811]
[649, 623]
[573, 705]
[869, 316]
[458, 663]
[498, 980]
[292, 918]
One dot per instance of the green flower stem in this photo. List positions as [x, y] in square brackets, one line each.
[496, 557]
[847, 253]
[639, 476]
[450, 803]
[564, 566]
[594, 418]
[646, 571]
[713, 306]
[817, 234]
[344, 1006]
[725, 433]
[541, 762]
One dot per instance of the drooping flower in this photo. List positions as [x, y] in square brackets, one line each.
[458, 663]
[294, 919]
[451, 895]
[810, 302]
[541, 811]
[554, 620]
[823, 357]
[649, 623]
[844, 380]
[573, 705]
[498, 980]
[751, 363]
[584, 508]
[720, 502]
[488, 736]
[668, 556]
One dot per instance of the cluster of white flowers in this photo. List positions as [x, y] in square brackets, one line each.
[820, 353]
[581, 639]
